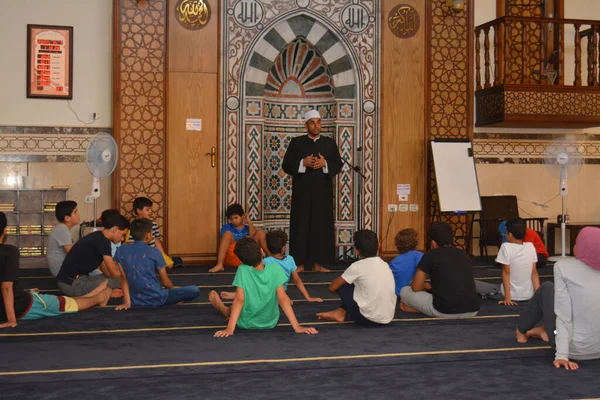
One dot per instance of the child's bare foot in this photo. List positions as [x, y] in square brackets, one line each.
[116, 293]
[227, 295]
[521, 337]
[538, 333]
[216, 302]
[319, 268]
[406, 308]
[300, 268]
[217, 268]
[98, 289]
[213, 297]
[337, 315]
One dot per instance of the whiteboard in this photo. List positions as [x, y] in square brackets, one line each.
[455, 176]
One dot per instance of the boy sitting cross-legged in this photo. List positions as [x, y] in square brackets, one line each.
[18, 304]
[91, 252]
[276, 241]
[60, 241]
[259, 293]
[142, 208]
[366, 288]
[139, 264]
[405, 264]
[453, 293]
[239, 226]
[520, 278]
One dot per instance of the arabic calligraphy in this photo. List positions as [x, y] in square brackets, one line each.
[193, 14]
[355, 18]
[248, 13]
[404, 21]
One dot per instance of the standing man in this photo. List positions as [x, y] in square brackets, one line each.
[313, 161]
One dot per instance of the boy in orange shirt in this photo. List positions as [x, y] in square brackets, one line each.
[239, 226]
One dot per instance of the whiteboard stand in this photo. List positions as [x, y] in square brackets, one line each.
[457, 187]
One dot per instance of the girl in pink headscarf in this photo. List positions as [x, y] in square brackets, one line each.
[566, 313]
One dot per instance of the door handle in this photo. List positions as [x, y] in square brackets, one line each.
[213, 156]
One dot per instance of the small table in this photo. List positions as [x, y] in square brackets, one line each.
[574, 229]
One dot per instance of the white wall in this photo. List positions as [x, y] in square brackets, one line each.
[92, 62]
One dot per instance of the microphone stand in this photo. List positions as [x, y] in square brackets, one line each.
[344, 258]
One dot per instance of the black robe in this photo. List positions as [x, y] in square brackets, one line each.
[311, 220]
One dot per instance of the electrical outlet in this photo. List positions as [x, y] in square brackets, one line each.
[89, 199]
[403, 207]
[94, 116]
[392, 208]
[413, 208]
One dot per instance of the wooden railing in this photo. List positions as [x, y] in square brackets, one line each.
[531, 51]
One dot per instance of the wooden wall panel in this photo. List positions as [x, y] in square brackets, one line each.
[193, 51]
[403, 126]
[192, 92]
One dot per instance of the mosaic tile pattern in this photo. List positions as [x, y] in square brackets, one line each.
[261, 64]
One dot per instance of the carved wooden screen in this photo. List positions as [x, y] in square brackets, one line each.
[450, 94]
[532, 36]
[139, 104]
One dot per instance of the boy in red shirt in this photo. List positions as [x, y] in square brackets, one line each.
[532, 236]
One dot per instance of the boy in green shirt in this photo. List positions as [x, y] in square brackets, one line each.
[259, 291]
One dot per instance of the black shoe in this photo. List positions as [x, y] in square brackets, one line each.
[177, 262]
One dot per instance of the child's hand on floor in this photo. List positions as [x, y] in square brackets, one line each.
[566, 363]
[308, 331]
[223, 333]
[314, 300]
[508, 302]
[9, 324]
[123, 306]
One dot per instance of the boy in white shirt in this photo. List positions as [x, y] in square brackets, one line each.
[367, 288]
[520, 278]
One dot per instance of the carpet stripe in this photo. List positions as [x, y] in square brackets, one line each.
[273, 361]
[203, 327]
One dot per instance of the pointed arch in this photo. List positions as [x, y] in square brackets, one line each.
[326, 42]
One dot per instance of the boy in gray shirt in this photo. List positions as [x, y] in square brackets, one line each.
[61, 240]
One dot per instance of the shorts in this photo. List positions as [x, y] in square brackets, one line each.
[45, 305]
[168, 260]
[231, 260]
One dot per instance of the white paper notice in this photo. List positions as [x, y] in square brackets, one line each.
[403, 188]
[193, 124]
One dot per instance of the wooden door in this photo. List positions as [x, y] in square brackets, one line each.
[192, 93]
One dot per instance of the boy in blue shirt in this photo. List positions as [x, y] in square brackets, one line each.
[239, 226]
[276, 241]
[404, 265]
[142, 208]
[139, 264]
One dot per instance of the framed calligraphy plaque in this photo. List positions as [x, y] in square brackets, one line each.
[49, 62]
[404, 21]
[192, 14]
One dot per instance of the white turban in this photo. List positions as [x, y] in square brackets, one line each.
[311, 114]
